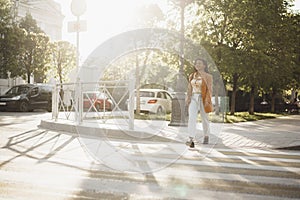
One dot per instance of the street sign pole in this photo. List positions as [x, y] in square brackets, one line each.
[77, 46]
[78, 8]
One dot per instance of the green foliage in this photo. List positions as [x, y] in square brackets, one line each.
[64, 60]
[29, 24]
[150, 116]
[5, 32]
[245, 116]
[253, 42]
[5, 7]
[154, 67]
[34, 50]
[236, 118]
[25, 49]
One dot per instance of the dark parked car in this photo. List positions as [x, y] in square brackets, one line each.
[27, 97]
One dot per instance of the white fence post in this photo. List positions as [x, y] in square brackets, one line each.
[55, 102]
[131, 86]
[78, 101]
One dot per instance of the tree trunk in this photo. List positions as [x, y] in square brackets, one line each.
[233, 95]
[252, 95]
[28, 77]
[273, 101]
[61, 92]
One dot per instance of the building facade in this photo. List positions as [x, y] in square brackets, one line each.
[47, 14]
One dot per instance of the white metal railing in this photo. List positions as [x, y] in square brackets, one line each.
[73, 101]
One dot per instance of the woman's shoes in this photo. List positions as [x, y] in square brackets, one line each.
[190, 143]
[205, 140]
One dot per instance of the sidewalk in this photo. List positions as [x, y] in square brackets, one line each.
[150, 162]
[271, 133]
[283, 132]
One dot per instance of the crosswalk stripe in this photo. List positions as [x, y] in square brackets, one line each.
[249, 173]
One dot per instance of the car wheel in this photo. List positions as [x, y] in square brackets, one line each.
[111, 107]
[49, 108]
[160, 111]
[98, 108]
[24, 106]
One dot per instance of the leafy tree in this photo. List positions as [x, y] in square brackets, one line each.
[5, 32]
[248, 41]
[219, 29]
[282, 54]
[267, 46]
[64, 59]
[5, 13]
[11, 51]
[29, 24]
[294, 20]
[146, 16]
[34, 57]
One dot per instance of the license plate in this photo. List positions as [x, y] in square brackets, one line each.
[2, 103]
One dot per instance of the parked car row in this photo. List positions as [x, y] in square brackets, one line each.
[27, 97]
[151, 101]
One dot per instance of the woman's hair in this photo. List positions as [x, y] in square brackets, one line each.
[204, 62]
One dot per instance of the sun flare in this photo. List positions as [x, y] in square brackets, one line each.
[104, 20]
[114, 13]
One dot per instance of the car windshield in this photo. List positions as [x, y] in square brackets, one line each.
[147, 94]
[17, 90]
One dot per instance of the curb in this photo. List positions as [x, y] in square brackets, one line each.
[98, 132]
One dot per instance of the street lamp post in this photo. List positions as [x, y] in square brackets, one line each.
[78, 8]
[178, 116]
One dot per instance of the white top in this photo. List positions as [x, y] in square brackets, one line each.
[196, 85]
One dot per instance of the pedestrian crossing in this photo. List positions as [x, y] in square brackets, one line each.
[56, 165]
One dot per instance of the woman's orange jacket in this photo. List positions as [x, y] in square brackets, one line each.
[206, 90]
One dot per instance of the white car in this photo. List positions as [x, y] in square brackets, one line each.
[154, 101]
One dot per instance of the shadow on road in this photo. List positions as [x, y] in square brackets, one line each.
[36, 144]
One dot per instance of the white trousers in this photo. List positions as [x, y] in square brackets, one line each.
[195, 106]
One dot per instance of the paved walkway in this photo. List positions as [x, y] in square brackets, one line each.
[150, 162]
[274, 133]
[271, 133]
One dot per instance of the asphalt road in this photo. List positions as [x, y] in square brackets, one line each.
[43, 164]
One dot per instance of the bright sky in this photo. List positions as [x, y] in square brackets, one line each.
[105, 18]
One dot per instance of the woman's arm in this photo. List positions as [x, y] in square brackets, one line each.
[209, 85]
[208, 94]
